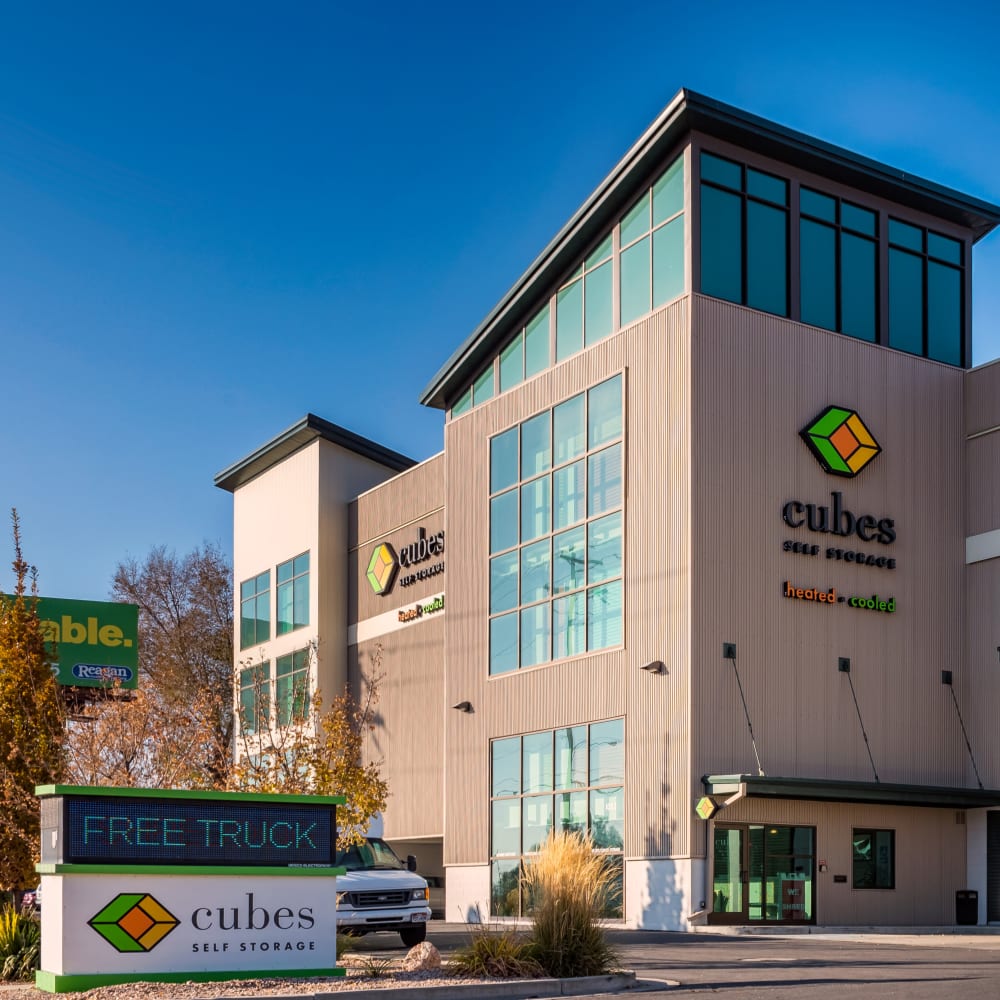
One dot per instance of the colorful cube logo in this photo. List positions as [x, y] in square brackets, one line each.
[841, 442]
[382, 568]
[134, 921]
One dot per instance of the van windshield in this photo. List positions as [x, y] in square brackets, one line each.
[374, 853]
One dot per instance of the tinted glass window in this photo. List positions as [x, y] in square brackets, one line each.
[767, 258]
[569, 321]
[906, 296]
[721, 242]
[944, 313]
[536, 344]
[818, 277]
[668, 262]
[720, 171]
[597, 297]
[635, 282]
[819, 206]
[859, 303]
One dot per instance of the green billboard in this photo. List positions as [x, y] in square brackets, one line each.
[96, 643]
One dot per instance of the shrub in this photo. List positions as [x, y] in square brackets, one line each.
[498, 953]
[20, 944]
[569, 887]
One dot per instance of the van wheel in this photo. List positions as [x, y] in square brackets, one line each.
[412, 936]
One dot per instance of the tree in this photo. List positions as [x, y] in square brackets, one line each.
[31, 723]
[186, 665]
[288, 743]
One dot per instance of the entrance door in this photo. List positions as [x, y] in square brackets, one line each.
[729, 897]
[992, 867]
[763, 874]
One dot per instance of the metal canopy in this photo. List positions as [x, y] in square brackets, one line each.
[826, 790]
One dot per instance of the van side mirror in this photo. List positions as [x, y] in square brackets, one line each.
[411, 863]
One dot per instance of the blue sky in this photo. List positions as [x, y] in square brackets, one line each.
[216, 217]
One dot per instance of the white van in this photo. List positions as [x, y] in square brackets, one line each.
[380, 892]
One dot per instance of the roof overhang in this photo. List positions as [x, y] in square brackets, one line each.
[310, 428]
[826, 790]
[689, 112]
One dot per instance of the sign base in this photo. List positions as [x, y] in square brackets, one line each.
[53, 982]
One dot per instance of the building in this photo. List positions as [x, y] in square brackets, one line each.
[718, 522]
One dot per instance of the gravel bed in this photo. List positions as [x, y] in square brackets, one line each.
[357, 978]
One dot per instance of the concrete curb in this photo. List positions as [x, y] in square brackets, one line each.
[513, 989]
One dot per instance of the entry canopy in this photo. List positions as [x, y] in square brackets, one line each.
[826, 790]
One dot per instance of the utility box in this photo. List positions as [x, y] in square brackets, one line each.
[966, 907]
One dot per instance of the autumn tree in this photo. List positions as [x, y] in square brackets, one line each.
[290, 743]
[31, 723]
[185, 661]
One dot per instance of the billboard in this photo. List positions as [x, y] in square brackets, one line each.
[96, 643]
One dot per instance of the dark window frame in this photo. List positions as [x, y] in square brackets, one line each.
[873, 833]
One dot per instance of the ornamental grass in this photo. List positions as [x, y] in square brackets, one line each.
[20, 944]
[569, 888]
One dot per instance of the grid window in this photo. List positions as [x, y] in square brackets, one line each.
[744, 235]
[293, 594]
[926, 278]
[255, 697]
[838, 265]
[569, 779]
[557, 485]
[292, 687]
[873, 854]
[255, 610]
[644, 268]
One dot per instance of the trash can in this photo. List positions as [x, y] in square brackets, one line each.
[966, 907]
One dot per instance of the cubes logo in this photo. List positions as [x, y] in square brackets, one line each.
[840, 441]
[382, 568]
[134, 921]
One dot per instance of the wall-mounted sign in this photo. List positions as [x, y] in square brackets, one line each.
[382, 568]
[706, 808]
[385, 563]
[96, 643]
[422, 610]
[840, 441]
[829, 597]
[82, 826]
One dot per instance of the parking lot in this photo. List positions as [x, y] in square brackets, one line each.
[924, 966]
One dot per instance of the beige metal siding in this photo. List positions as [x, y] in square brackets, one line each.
[982, 479]
[409, 734]
[930, 859]
[757, 380]
[982, 398]
[653, 354]
[977, 688]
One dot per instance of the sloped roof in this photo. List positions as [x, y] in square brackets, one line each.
[687, 112]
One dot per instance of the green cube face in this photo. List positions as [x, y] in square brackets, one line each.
[382, 568]
[134, 921]
[840, 441]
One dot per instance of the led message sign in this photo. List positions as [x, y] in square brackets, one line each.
[123, 830]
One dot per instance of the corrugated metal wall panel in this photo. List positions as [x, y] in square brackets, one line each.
[654, 356]
[414, 492]
[982, 478]
[409, 732]
[757, 381]
[982, 398]
[930, 859]
[977, 688]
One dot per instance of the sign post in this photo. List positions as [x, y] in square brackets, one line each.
[173, 886]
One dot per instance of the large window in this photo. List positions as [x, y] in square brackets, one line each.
[644, 265]
[566, 779]
[744, 235]
[255, 610]
[926, 311]
[255, 697]
[292, 687]
[293, 594]
[838, 253]
[873, 855]
[556, 491]
[652, 247]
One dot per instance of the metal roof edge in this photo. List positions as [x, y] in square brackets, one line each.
[836, 790]
[301, 433]
[687, 111]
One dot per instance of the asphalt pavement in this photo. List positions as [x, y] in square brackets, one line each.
[929, 964]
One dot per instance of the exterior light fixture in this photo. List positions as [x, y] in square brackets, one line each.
[654, 667]
[844, 664]
[946, 677]
[463, 706]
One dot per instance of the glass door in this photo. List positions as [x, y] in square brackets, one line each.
[729, 898]
[763, 874]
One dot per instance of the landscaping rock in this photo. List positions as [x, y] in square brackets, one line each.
[422, 958]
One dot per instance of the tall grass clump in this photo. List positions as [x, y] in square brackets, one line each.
[569, 887]
[497, 953]
[20, 944]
